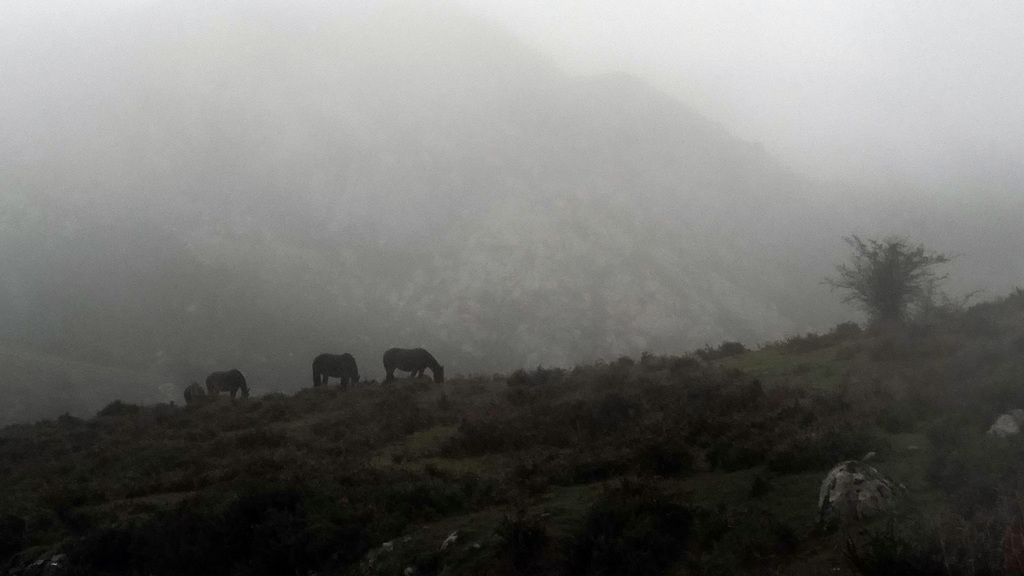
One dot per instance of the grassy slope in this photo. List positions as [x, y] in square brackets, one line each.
[523, 468]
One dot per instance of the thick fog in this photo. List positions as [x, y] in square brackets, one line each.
[840, 89]
[188, 187]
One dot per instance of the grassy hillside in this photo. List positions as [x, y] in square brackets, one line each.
[702, 464]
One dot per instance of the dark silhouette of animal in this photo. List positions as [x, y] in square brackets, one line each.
[341, 366]
[230, 381]
[194, 393]
[413, 361]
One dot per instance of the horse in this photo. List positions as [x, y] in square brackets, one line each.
[229, 381]
[194, 393]
[341, 366]
[413, 361]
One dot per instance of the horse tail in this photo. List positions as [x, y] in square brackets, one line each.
[348, 364]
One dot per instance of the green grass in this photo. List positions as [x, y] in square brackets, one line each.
[820, 369]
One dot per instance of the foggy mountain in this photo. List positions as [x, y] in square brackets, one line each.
[224, 189]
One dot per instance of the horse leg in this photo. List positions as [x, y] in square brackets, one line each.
[390, 376]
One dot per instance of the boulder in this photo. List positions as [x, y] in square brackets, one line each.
[852, 491]
[1008, 424]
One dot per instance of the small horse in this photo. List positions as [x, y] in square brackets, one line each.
[229, 381]
[335, 366]
[194, 393]
[413, 361]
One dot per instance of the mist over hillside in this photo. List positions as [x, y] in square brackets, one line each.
[211, 187]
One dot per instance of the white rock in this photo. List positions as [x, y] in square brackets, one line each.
[1005, 426]
[451, 539]
[1018, 416]
[852, 491]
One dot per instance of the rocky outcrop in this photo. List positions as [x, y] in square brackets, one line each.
[1008, 424]
[853, 491]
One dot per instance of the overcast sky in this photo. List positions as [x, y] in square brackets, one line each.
[833, 88]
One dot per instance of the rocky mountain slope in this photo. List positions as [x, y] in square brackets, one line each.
[229, 189]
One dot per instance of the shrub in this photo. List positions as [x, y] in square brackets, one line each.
[260, 438]
[522, 538]
[12, 536]
[749, 539]
[724, 350]
[263, 530]
[822, 449]
[665, 458]
[736, 453]
[118, 408]
[955, 547]
[897, 419]
[631, 530]
[539, 377]
[893, 552]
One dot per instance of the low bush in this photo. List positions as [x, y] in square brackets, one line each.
[663, 457]
[12, 536]
[538, 377]
[631, 530]
[801, 344]
[523, 538]
[746, 540]
[822, 449]
[118, 408]
[724, 350]
[263, 530]
[909, 547]
[892, 551]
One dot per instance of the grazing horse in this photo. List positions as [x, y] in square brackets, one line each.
[229, 381]
[335, 366]
[194, 393]
[413, 361]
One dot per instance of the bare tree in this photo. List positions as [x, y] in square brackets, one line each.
[888, 277]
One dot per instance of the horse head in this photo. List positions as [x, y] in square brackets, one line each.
[439, 375]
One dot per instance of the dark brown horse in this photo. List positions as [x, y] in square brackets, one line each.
[413, 361]
[341, 366]
[230, 381]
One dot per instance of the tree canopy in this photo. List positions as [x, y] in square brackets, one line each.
[888, 278]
